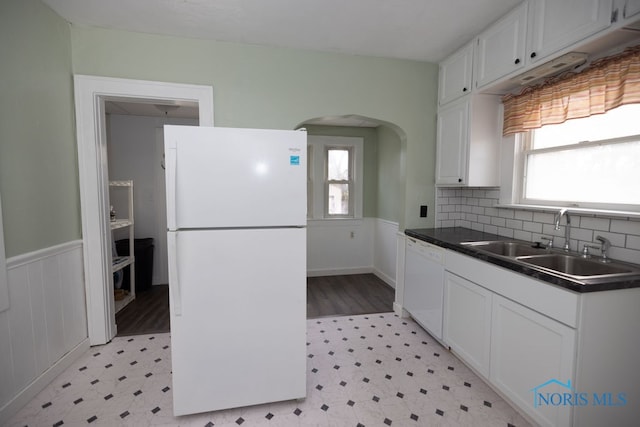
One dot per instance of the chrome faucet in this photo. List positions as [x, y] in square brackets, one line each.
[567, 228]
[605, 244]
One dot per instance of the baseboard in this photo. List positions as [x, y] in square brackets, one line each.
[339, 271]
[385, 278]
[397, 309]
[29, 392]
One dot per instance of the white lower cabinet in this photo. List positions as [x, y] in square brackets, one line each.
[531, 355]
[467, 321]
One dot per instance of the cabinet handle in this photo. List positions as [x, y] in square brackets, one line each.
[464, 89]
[533, 55]
[517, 61]
[459, 179]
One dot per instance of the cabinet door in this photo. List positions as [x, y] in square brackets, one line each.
[454, 79]
[452, 143]
[501, 48]
[467, 321]
[423, 285]
[529, 350]
[555, 24]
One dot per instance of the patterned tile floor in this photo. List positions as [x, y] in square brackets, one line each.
[368, 370]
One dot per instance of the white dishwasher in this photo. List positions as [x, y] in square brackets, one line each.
[424, 284]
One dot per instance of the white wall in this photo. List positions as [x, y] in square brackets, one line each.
[45, 328]
[136, 153]
[331, 249]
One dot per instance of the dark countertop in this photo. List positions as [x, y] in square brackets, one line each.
[450, 238]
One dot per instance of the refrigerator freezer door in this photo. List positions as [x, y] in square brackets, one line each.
[226, 178]
[241, 336]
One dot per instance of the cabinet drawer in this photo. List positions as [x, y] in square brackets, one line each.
[545, 298]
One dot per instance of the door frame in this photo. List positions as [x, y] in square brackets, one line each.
[91, 92]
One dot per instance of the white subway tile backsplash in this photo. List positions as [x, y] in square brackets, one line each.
[524, 215]
[602, 224]
[477, 227]
[478, 210]
[463, 223]
[534, 227]
[487, 203]
[624, 254]
[499, 222]
[523, 235]
[506, 232]
[506, 213]
[491, 229]
[633, 242]
[616, 239]
[626, 227]
[491, 211]
[484, 219]
[474, 208]
[582, 234]
[544, 217]
[514, 224]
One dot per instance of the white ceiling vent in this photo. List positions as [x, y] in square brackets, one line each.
[562, 63]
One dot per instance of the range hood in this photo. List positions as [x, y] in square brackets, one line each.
[565, 62]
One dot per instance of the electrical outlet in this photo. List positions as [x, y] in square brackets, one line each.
[423, 211]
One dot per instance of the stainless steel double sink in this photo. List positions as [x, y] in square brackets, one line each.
[571, 265]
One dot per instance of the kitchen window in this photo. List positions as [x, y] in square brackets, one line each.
[334, 185]
[591, 162]
[577, 138]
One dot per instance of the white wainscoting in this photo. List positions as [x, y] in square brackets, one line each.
[365, 245]
[384, 250]
[45, 328]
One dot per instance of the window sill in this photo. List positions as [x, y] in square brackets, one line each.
[337, 221]
[578, 211]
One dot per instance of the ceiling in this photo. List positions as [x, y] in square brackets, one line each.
[423, 30]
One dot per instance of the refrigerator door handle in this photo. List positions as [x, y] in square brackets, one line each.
[174, 283]
[172, 178]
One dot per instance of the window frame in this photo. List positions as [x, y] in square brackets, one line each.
[317, 185]
[348, 181]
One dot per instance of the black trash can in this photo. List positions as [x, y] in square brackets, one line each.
[143, 252]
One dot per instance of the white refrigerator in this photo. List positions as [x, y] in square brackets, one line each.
[236, 217]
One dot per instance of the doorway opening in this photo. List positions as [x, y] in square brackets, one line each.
[135, 153]
[92, 95]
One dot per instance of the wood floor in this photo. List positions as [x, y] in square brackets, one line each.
[147, 314]
[347, 295]
[326, 296]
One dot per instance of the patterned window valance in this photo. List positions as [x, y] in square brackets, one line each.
[606, 84]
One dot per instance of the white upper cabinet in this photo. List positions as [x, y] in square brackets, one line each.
[554, 25]
[501, 47]
[454, 79]
[468, 141]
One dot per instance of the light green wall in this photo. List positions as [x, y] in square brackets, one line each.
[370, 161]
[38, 163]
[280, 88]
[391, 179]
